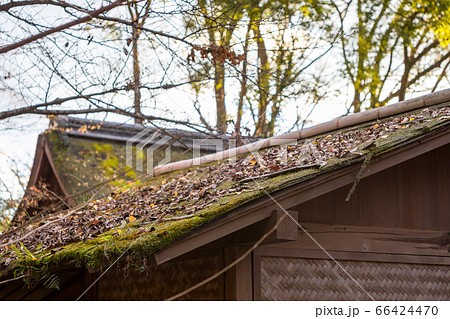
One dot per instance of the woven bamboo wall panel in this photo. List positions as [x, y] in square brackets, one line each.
[319, 279]
[163, 281]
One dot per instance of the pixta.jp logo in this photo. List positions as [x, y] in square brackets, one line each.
[149, 149]
[142, 148]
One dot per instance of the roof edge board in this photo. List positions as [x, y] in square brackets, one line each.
[339, 123]
[221, 228]
[38, 156]
[42, 152]
[55, 172]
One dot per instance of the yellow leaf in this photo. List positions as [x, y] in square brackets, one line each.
[83, 129]
[132, 218]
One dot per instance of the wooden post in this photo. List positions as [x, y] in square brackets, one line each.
[238, 280]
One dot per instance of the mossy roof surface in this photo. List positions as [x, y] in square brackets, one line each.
[82, 163]
[145, 218]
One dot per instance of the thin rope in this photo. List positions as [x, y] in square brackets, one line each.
[316, 242]
[258, 243]
[234, 263]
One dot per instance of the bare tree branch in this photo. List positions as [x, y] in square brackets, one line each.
[141, 27]
[16, 4]
[60, 28]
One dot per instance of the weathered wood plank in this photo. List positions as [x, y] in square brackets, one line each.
[287, 230]
[344, 255]
[369, 240]
[238, 280]
[256, 267]
[414, 195]
[226, 226]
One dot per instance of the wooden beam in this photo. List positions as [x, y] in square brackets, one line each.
[221, 233]
[38, 157]
[256, 272]
[288, 228]
[345, 255]
[286, 231]
[225, 226]
[360, 239]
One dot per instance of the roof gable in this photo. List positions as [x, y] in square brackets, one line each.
[78, 160]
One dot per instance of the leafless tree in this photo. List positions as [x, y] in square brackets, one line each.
[83, 66]
[267, 49]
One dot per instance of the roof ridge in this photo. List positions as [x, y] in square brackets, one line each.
[75, 122]
[338, 123]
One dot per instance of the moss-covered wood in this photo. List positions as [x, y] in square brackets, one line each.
[140, 238]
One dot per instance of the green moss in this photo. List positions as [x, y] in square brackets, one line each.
[167, 232]
[82, 163]
[108, 246]
[396, 138]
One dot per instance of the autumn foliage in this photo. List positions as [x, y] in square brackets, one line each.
[219, 54]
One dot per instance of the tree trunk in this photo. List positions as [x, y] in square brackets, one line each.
[136, 75]
[237, 127]
[263, 82]
[356, 102]
[404, 81]
[219, 90]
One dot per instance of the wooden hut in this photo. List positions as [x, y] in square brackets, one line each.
[360, 210]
